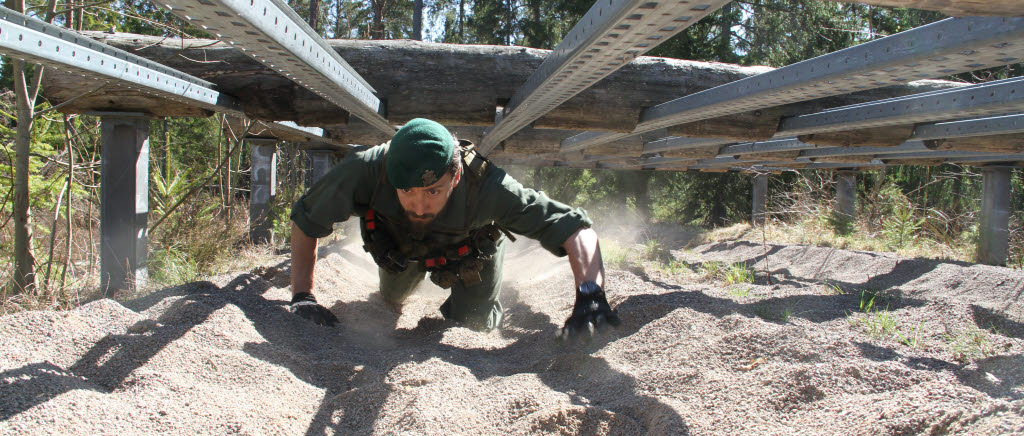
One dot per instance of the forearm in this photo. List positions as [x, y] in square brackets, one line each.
[303, 261]
[585, 256]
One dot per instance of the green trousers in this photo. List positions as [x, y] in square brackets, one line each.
[476, 306]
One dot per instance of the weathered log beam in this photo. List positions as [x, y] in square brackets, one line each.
[455, 84]
[955, 8]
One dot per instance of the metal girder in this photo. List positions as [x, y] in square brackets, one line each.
[35, 41]
[999, 125]
[950, 155]
[272, 33]
[998, 97]
[681, 143]
[906, 147]
[774, 145]
[816, 166]
[947, 47]
[611, 34]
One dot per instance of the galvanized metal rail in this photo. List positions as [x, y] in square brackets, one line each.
[611, 34]
[35, 41]
[272, 33]
[940, 49]
[993, 98]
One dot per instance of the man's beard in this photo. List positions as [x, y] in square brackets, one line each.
[418, 223]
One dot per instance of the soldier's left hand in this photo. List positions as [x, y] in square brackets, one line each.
[590, 313]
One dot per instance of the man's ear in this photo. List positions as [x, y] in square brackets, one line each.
[458, 176]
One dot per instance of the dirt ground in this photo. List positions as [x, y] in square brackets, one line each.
[938, 350]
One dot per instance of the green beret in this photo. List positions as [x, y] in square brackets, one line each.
[419, 154]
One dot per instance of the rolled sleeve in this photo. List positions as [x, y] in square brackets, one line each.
[339, 194]
[533, 214]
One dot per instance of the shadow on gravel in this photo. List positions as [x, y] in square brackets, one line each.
[353, 371]
[996, 376]
[568, 368]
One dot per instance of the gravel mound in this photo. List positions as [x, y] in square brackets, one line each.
[940, 351]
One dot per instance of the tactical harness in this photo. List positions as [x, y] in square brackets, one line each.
[448, 257]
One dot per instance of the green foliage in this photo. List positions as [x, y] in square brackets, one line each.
[913, 339]
[901, 224]
[879, 324]
[730, 274]
[172, 264]
[738, 273]
[740, 291]
[771, 312]
[614, 255]
[969, 344]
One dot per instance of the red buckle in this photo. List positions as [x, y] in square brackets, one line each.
[370, 223]
[435, 261]
[463, 250]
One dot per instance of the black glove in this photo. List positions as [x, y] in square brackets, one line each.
[305, 305]
[590, 312]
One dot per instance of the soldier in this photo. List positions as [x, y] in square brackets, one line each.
[428, 203]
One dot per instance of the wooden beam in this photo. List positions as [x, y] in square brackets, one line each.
[890, 136]
[1010, 143]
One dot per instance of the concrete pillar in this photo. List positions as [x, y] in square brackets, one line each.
[263, 188]
[846, 197]
[124, 201]
[319, 164]
[760, 199]
[994, 222]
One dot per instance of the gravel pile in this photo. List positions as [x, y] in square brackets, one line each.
[941, 351]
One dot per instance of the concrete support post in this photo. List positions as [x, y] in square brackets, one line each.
[263, 186]
[994, 222]
[846, 197]
[760, 199]
[124, 201]
[319, 164]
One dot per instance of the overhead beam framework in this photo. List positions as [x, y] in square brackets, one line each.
[940, 49]
[36, 41]
[272, 33]
[604, 40]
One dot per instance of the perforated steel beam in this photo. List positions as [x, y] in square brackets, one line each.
[611, 34]
[907, 147]
[682, 143]
[999, 97]
[953, 155]
[947, 47]
[272, 33]
[35, 41]
[998, 125]
[772, 146]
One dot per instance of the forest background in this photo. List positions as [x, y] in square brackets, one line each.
[198, 206]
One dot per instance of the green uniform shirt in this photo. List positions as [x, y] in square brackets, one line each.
[350, 187]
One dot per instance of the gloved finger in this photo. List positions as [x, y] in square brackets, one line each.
[613, 319]
[326, 317]
[590, 329]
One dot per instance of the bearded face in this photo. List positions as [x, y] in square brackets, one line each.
[421, 205]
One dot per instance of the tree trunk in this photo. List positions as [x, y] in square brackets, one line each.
[417, 20]
[24, 260]
[462, 20]
[314, 14]
[377, 31]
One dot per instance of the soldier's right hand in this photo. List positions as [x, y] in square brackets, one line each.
[305, 305]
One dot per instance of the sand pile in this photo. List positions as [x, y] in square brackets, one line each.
[941, 351]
